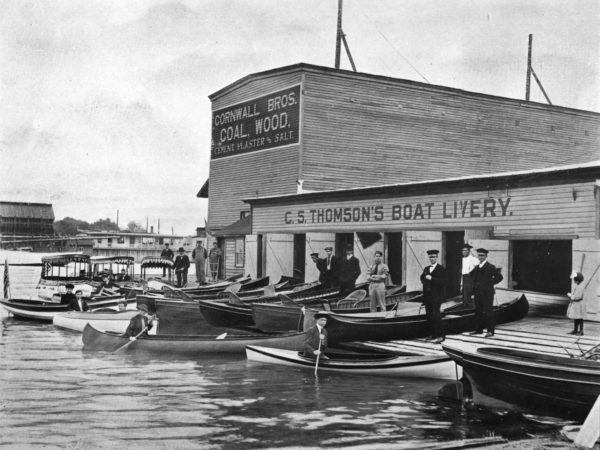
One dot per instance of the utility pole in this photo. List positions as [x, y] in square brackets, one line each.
[528, 81]
[338, 38]
[117, 217]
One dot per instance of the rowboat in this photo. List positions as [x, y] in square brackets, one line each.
[539, 301]
[108, 321]
[556, 384]
[45, 311]
[407, 365]
[181, 317]
[191, 345]
[456, 319]
[278, 317]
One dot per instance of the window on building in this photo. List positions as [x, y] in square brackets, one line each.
[131, 240]
[161, 241]
[244, 214]
[239, 252]
[99, 241]
[109, 241]
[121, 240]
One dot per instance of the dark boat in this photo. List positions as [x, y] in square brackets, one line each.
[181, 317]
[278, 317]
[191, 345]
[456, 319]
[557, 385]
[237, 313]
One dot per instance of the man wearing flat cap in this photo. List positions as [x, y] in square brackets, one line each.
[331, 269]
[181, 266]
[349, 272]
[485, 275]
[315, 341]
[434, 281]
[469, 261]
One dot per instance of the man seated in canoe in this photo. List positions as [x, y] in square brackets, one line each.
[78, 303]
[140, 324]
[316, 338]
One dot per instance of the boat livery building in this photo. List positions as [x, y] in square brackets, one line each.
[323, 157]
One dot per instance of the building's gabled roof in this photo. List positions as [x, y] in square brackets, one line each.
[27, 210]
[203, 192]
[240, 228]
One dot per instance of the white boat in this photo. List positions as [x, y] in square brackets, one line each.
[116, 322]
[409, 365]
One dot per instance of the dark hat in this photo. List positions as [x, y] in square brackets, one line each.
[316, 255]
[467, 246]
[433, 252]
[378, 253]
[577, 276]
[143, 307]
[321, 314]
[167, 244]
[329, 248]
[482, 250]
[181, 249]
[69, 286]
[350, 249]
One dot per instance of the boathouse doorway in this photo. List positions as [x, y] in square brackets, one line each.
[299, 263]
[342, 242]
[394, 257]
[260, 258]
[542, 266]
[452, 242]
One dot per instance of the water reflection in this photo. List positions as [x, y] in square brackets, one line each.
[54, 394]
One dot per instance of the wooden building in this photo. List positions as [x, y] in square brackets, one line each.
[23, 225]
[306, 128]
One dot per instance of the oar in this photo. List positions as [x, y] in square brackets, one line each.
[221, 336]
[319, 354]
[131, 341]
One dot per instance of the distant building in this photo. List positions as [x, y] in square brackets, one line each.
[23, 224]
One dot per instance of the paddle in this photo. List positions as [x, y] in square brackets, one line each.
[221, 336]
[131, 341]
[319, 354]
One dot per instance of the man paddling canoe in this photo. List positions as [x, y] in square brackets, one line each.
[316, 337]
[140, 323]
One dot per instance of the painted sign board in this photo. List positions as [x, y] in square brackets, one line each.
[265, 122]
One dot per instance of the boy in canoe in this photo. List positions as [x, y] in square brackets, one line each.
[140, 324]
[316, 337]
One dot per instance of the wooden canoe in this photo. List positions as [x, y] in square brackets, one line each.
[76, 321]
[277, 317]
[456, 319]
[408, 365]
[190, 345]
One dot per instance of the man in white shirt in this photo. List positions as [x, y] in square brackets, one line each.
[469, 261]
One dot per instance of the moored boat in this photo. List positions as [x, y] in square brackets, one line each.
[107, 321]
[558, 385]
[456, 319]
[190, 345]
[407, 365]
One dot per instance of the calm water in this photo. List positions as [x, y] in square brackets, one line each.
[54, 395]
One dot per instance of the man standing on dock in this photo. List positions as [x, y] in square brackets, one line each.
[167, 253]
[434, 280]
[199, 257]
[466, 282]
[214, 261]
[377, 274]
[331, 267]
[485, 275]
[349, 272]
[182, 264]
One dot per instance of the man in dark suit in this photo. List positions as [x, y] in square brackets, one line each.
[78, 303]
[167, 253]
[181, 266]
[315, 341]
[68, 298]
[320, 263]
[485, 276]
[434, 281]
[331, 269]
[349, 272]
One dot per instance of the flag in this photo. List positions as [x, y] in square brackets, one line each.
[6, 280]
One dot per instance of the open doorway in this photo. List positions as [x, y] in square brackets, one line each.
[542, 266]
[342, 242]
[394, 257]
[453, 242]
[260, 258]
[299, 256]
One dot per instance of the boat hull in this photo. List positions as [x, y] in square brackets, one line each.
[116, 322]
[556, 385]
[220, 314]
[344, 328]
[192, 345]
[182, 317]
[410, 366]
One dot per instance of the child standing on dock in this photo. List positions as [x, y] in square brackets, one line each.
[576, 308]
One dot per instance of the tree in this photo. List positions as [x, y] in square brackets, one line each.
[135, 227]
[69, 226]
[104, 225]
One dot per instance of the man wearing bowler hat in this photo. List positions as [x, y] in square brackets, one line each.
[331, 267]
[349, 272]
[466, 282]
[315, 341]
[485, 275]
[181, 266]
[434, 281]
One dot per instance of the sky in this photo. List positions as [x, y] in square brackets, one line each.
[104, 104]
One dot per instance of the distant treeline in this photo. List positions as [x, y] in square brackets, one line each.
[70, 227]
